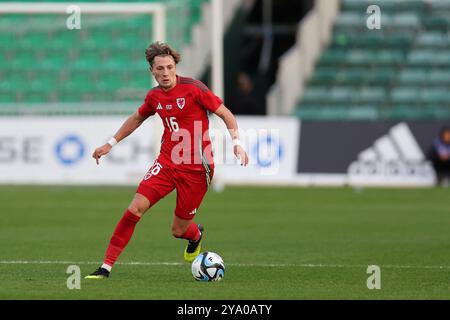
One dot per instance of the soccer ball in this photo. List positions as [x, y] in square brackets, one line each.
[208, 266]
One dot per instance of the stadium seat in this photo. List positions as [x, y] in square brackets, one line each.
[413, 76]
[442, 59]
[373, 95]
[323, 76]
[434, 96]
[340, 95]
[315, 94]
[333, 58]
[360, 58]
[389, 57]
[440, 6]
[402, 95]
[354, 76]
[107, 43]
[351, 21]
[439, 77]
[409, 21]
[382, 76]
[432, 40]
[403, 66]
[421, 58]
[435, 23]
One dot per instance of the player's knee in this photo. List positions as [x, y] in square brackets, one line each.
[136, 210]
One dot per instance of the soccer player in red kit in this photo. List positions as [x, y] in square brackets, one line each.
[185, 162]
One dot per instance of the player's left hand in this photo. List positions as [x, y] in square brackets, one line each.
[240, 153]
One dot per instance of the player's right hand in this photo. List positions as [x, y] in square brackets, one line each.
[240, 153]
[101, 151]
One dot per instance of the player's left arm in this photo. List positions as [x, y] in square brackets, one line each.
[230, 121]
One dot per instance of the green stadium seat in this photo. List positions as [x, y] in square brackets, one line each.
[361, 5]
[109, 45]
[400, 41]
[422, 58]
[440, 6]
[78, 87]
[401, 95]
[102, 41]
[7, 96]
[37, 96]
[336, 112]
[438, 112]
[401, 71]
[347, 40]
[351, 21]
[413, 76]
[442, 59]
[415, 6]
[341, 40]
[81, 76]
[6, 39]
[139, 83]
[389, 57]
[372, 95]
[110, 82]
[436, 23]
[333, 57]
[23, 60]
[366, 112]
[360, 58]
[393, 6]
[400, 112]
[315, 94]
[339, 95]
[408, 21]
[439, 77]
[321, 113]
[432, 40]
[87, 63]
[323, 76]
[43, 84]
[31, 41]
[52, 63]
[435, 96]
[351, 76]
[382, 76]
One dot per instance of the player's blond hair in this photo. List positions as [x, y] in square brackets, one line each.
[160, 49]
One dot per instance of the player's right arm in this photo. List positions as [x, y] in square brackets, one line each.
[131, 124]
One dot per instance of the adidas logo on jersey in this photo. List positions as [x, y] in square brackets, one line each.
[159, 107]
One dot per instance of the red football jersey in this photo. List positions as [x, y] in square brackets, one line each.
[185, 143]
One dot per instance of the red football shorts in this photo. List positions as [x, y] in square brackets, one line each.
[191, 187]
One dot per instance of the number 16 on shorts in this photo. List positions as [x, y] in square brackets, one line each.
[153, 171]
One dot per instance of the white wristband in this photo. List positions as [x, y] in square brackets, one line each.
[112, 142]
[237, 142]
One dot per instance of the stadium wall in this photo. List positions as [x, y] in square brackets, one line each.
[282, 151]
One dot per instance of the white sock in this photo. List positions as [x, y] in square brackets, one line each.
[107, 267]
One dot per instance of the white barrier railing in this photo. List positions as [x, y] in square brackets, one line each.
[297, 64]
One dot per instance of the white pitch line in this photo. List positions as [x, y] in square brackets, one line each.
[269, 265]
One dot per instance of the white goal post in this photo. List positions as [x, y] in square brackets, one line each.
[157, 9]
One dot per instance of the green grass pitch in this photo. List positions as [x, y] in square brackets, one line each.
[277, 243]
